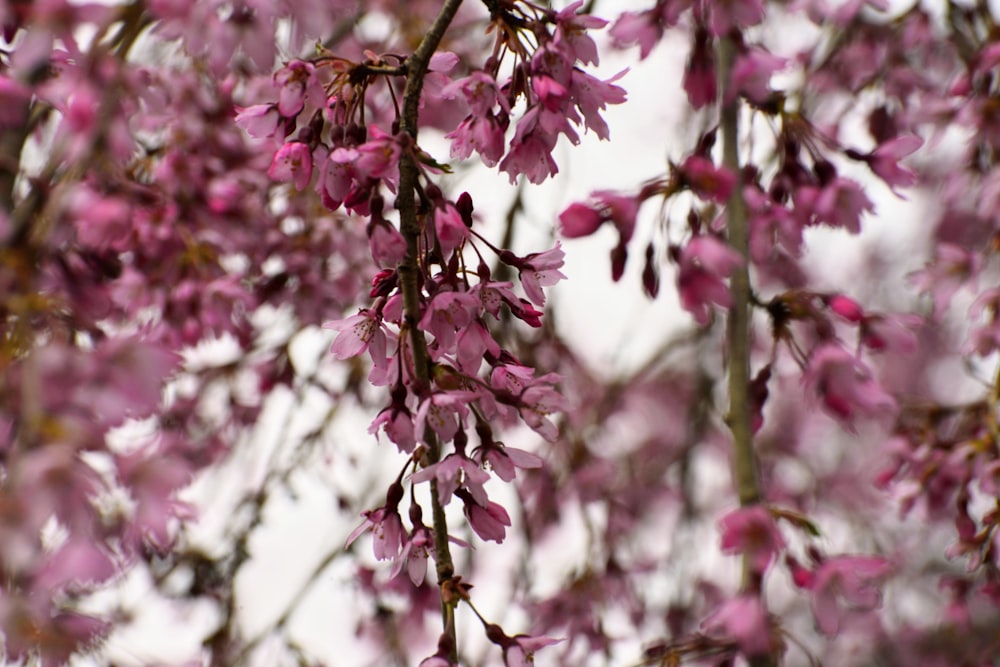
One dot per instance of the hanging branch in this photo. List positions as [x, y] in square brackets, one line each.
[744, 463]
[739, 418]
[416, 66]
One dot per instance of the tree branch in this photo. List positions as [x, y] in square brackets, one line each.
[744, 462]
[409, 269]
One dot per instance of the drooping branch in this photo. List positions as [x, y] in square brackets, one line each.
[409, 270]
[738, 333]
[744, 464]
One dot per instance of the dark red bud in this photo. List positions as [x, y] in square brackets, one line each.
[650, 274]
[464, 206]
[619, 256]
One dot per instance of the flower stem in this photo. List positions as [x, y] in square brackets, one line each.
[409, 269]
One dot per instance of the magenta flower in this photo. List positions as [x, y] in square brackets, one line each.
[752, 73]
[387, 245]
[293, 162]
[453, 472]
[846, 581]
[445, 413]
[753, 532]
[474, 342]
[580, 220]
[571, 33]
[490, 522]
[699, 80]
[480, 91]
[841, 203]
[538, 402]
[646, 28]
[298, 84]
[641, 28]
[884, 160]
[77, 561]
[503, 460]
[951, 269]
[378, 158]
[551, 94]
[398, 426]
[447, 313]
[521, 651]
[339, 177]
[846, 307]
[259, 120]
[608, 206]
[359, 333]
[705, 179]
[745, 620]
[387, 529]
[592, 95]
[890, 333]
[541, 269]
[451, 230]
[729, 14]
[985, 338]
[534, 139]
[704, 264]
[845, 385]
[483, 134]
[385, 524]
[417, 548]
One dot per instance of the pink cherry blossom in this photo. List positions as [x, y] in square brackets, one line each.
[259, 120]
[388, 247]
[541, 269]
[297, 84]
[891, 333]
[293, 162]
[592, 95]
[844, 384]
[846, 307]
[490, 522]
[358, 333]
[704, 263]
[952, 268]
[571, 33]
[447, 313]
[504, 460]
[387, 529]
[520, 652]
[705, 179]
[699, 73]
[729, 14]
[453, 472]
[753, 532]
[483, 134]
[448, 225]
[417, 548]
[752, 73]
[846, 581]
[884, 160]
[379, 157]
[474, 342]
[580, 220]
[745, 620]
